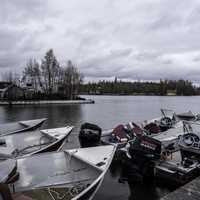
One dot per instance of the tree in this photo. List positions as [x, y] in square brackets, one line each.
[50, 71]
[32, 74]
[70, 79]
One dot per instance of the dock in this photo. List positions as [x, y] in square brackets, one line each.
[45, 102]
[190, 191]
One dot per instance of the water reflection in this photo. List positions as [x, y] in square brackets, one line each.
[57, 114]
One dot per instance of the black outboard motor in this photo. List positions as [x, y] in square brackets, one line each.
[143, 151]
[145, 146]
[89, 135]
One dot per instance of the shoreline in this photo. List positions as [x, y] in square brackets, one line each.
[45, 102]
[135, 95]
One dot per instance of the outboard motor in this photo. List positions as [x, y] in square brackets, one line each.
[143, 151]
[145, 146]
[89, 135]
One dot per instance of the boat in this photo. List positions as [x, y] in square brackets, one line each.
[33, 142]
[146, 158]
[182, 166]
[174, 169]
[20, 126]
[189, 142]
[72, 174]
[188, 116]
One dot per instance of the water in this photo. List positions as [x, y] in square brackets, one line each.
[107, 112]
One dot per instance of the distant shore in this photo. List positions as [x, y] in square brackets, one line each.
[138, 94]
[43, 102]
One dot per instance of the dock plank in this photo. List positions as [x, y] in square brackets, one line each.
[190, 191]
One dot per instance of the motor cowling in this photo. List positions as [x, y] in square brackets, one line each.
[89, 135]
[146, 147]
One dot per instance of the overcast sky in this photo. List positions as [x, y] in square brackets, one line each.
[130, 39]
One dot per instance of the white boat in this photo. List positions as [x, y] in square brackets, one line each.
[20, 126]
[32, 142]
[72, 174]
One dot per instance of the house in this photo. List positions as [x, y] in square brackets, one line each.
[10, 91]
[171, 92]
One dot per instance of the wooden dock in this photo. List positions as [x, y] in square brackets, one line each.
[45, 102]
[190, 191]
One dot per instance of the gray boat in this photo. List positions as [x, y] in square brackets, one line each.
[183, 165]
[71, 175]
[20, 126]
[32, 142]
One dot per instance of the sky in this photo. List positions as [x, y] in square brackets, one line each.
[128, 39]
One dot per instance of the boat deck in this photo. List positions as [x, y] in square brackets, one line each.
[62, 169]
[22, 140]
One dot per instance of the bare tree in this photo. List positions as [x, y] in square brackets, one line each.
[32, 74]
[50, 70]
[70, 79]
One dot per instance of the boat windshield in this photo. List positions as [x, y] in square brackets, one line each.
[191, 127]
[167, 112]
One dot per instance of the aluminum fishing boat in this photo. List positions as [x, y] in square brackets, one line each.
[71, 175]
[184, 165]
[21, 126]
[188, 116]
[32, 142]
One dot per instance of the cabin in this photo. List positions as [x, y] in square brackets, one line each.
[10, 91]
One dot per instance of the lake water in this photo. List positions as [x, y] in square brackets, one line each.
[107, 112]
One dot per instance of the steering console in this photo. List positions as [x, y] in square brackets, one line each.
[190, 140]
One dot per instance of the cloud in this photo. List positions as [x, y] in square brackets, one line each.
[138, 39]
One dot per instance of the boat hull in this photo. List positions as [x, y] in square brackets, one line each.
[24, 127]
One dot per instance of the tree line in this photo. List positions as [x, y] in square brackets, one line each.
[163, 87]
[49, 79]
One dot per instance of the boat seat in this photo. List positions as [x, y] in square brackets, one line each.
[56, 133]
[67, 179]
[165, 169]
[136, 129]
[120, 133]
[152, 128]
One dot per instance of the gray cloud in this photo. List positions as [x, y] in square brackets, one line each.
[138, 39]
